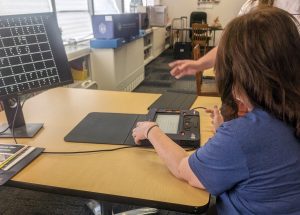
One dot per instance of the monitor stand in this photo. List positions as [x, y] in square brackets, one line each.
[16, 120]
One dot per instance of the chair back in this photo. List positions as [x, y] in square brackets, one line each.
[200, 35]
[198, 17]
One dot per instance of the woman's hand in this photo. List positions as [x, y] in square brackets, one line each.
[182, 68]
[141, 131]
[215, 115]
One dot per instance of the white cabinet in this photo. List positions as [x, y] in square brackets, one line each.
[159, 36]
[156, 40]
[148, 46]
[168, 36]
[79, 59]
[120, 68]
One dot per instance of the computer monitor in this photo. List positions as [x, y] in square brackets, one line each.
[32, 58]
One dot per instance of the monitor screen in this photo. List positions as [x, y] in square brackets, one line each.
[32, 58]
[32, 55]
[168, 123]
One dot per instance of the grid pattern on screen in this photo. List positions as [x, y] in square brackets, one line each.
[26, 57]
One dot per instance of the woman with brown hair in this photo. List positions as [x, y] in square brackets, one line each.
[252, 163]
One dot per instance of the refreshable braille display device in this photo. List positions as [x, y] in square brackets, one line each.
[32, 58]
[182, 126]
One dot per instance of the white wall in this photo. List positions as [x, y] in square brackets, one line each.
[225, 10]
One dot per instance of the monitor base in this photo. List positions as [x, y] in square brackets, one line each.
[26, 131]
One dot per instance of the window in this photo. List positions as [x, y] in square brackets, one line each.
[107, 6]
[74, 19]
[73, 16]
[9, 7]
[130, 6]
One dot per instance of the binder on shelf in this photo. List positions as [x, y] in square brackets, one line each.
[14, 157]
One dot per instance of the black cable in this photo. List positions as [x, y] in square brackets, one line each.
[105, 150]
[13, 123]
[200, 107]
[25, 99]
[191, 149]
[14, 119]
[1, 132]
[93, 151]
[15, 116]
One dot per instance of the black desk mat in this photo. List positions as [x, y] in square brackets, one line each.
[105, 128]
[174, 101]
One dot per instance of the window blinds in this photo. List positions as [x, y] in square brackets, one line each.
[133, 3]
[74, 20]
[10, 7]
[107, 6]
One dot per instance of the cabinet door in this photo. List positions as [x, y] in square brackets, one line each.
[159, 36]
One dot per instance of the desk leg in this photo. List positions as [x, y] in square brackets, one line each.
[106, 208]
[99, 208]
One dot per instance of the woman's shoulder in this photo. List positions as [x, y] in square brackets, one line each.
[252, 123]
[257, 123]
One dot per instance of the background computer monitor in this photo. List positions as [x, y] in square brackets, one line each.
[32, 58]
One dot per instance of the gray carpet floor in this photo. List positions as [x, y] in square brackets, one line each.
[14, 201]
[159, 80]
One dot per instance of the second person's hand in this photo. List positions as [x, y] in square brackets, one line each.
[182, 68]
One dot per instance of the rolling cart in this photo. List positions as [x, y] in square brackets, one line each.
[180, 35]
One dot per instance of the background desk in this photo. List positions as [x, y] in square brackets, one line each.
[134, 175]
[212, 29]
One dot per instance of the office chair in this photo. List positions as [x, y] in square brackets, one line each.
[207, 87]
[197, 17]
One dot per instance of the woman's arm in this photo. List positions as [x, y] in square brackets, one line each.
[175, 157]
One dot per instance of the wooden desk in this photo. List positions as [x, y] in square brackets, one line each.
[134, 175]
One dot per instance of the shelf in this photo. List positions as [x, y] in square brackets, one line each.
[84, 84]
[77, 84]
[147, 47]
[148, 60]
[147, 31]
[78, 51]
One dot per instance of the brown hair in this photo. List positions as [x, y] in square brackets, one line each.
[259, 54]
[265, 2]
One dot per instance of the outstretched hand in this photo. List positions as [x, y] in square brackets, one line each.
[182, 68]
